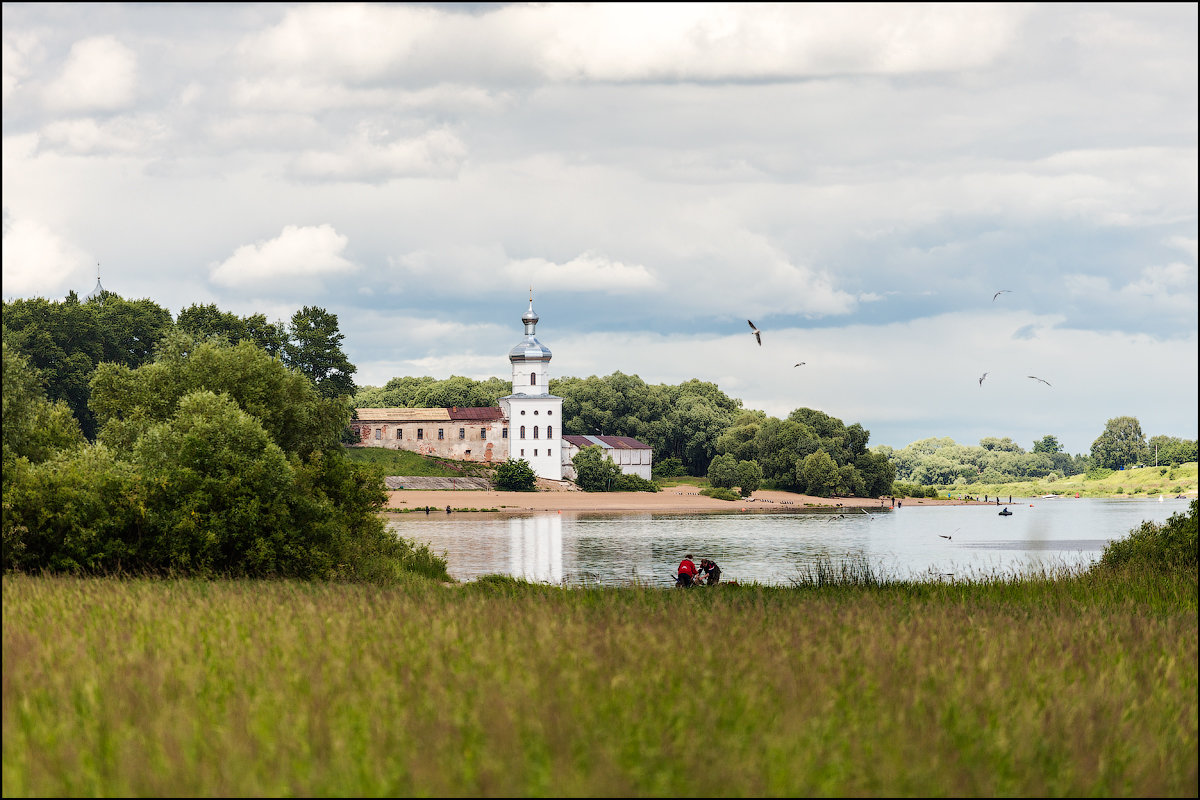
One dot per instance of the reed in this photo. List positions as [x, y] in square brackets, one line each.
[847, 684]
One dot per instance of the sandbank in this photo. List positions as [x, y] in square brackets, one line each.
[675, 499]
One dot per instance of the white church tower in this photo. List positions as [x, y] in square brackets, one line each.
[534, 415]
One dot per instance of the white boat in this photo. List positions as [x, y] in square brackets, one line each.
[1050, 496]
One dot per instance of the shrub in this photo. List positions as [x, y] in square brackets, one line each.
[1098, 473]
[633, 483]
[594, 471]
[720, 493]
[723, 471]
[515, 476]
[668, 468]
[1169, 546]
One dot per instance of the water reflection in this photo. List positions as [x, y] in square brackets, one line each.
[615, 549]
[536, 548]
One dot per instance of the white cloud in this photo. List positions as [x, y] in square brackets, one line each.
[376, 156]
[100, 73]
[590, 271]
[18, 50]
[298, 253]
[39, 262]
[126, 134]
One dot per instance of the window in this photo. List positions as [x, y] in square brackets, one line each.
[522, 452]
[535, 412]
[377, 433]
[420, 433]
[522, 431]
[399, 433]
[549, 411]
[504, 433]
[549, 432]
[535, 452]
[522, 412]
[462, 433]
[535, 430]
[483, 433]
[533, 379]
[441, 433]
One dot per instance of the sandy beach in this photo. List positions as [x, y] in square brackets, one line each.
[675, 499]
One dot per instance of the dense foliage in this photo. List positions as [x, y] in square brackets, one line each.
[515, 476]
[943, 462]
[213, 459]
[1170, 546]
[594, 471]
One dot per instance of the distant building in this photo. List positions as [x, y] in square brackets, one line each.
[527, 424]
[632, 456]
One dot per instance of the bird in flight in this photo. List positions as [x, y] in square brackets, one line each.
[944, 536]
[801, 364]
[1036, 378]
[757, 333]
[1002, 291]
[981, 377]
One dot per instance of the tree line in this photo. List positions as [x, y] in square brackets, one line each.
[208, 445]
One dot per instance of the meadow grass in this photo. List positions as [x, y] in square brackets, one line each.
[1054, 685]
[1141, 482]
[409, 464]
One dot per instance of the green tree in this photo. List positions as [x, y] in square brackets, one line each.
[315, 349]
[1047, 444]
[723, 471]
[818, 474]
[1121, 444]
[203, 321]
[594, 471]
[749, 476]
[515, 476]
[1170, 450]
[33, 427]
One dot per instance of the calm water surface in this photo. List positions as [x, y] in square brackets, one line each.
[615, 549]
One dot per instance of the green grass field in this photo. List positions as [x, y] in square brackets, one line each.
[1080, 685]
[408, 464]
[1143, 482]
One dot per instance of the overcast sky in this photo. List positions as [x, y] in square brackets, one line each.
[858, 180]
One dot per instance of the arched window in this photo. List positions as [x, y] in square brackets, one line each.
[533, 379]
[522, 431]
[535, 430]
[549, 432]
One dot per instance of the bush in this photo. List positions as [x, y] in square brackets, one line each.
[1168, 547]
[1098, 473]
[723, 471]
[633, 483]
[668, 468]
[594, 471]
[749, 476]
[515, 476]
[720, 493]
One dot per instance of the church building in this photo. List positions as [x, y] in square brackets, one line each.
[527, 424]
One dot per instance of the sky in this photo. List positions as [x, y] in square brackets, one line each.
[857, 180]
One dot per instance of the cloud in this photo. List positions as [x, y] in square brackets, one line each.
[375, 156]
[37, 261]
[298, 253]
[630, 42]
[126, 134]
[587, 272]
[100, 73]
[18, 49]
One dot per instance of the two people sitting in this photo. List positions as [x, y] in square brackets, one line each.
[688, 575]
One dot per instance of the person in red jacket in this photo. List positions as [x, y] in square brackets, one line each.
[686, 574]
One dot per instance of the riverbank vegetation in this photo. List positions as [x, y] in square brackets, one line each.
[1097, 482]
[848, 683]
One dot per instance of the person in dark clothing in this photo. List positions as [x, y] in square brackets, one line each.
[686, 574]
[711, 571]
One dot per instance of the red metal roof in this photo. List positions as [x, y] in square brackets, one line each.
[615, 442]
[481, 414]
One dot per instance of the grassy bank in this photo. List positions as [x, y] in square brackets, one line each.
[408, 464]
[1085, 685]
[1142, 482]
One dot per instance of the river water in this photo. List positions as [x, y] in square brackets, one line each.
[770, 548]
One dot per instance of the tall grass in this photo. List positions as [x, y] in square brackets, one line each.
[851, 684]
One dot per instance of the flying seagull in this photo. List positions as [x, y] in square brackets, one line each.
[801, 364]
[1036, 378]
[981, 377]
[1002, 291]
[944, 536]
[757, 333]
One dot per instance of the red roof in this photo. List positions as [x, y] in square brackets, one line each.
[615, 442]
[480, 414]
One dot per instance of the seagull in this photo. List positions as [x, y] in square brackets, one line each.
[801, 364]
[1036, 378]
[944, 536]
[757, 333]
[865, 512]
[1002, 291]
[981, 377]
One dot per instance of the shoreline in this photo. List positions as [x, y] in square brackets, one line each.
[676, 499]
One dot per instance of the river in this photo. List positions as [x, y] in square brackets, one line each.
[912, 542]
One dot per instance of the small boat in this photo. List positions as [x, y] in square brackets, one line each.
[1005, 513]
[1050, 496]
